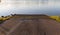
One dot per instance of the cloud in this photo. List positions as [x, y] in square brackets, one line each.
[19, 6]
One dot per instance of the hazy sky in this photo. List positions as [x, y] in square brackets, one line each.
[29, 7]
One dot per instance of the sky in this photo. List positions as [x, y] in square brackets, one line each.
[49, 7]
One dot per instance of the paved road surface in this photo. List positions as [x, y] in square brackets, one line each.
[20, 26]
